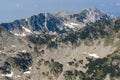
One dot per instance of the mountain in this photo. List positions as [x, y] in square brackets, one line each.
[60, 22]
[81, 45]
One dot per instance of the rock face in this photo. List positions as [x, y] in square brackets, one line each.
[82, 45]
[54, 23]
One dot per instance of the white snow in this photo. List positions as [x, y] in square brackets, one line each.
[24, 51]
[7, 75]
[94, 55]
[30, 68]
[52, 33]
[2, 52]
[23, 34]
[13, 46]
[27, 72]
[68, 65]
[74, 24]
[18, 34]
[17, 76]
[71, 25]
[91, 54]
[26, 29]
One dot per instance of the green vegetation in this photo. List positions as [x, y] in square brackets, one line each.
[89, 33]
[56, 68]
[8, 78]
[40, 62]
[97, 69]
[22, 61]
[52, 44]
[74, 75]
[75, 63]
[117, 25]
[46, 63]
[38, 39]
[41, 40]
[45, 73]
[53, 67]
[101, 29]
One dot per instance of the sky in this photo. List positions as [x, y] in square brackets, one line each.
[11, 10]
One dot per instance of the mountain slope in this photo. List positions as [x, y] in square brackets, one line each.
[86, 47]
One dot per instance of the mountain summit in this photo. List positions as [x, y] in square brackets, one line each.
[60, 22]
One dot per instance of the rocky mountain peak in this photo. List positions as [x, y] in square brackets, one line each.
[60, 22]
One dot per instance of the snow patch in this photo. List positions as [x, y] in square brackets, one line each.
[68, 65]
[52, 33]
[26, 29]
[30, 68]
[18, 34]
[24, 51]
[91, 54]
[13, 46]
[2, 52]
[23, 34]
[27, 72]
[17, 76]
[94, 55]
[71, 25]
[74, 24]
[7, 75]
